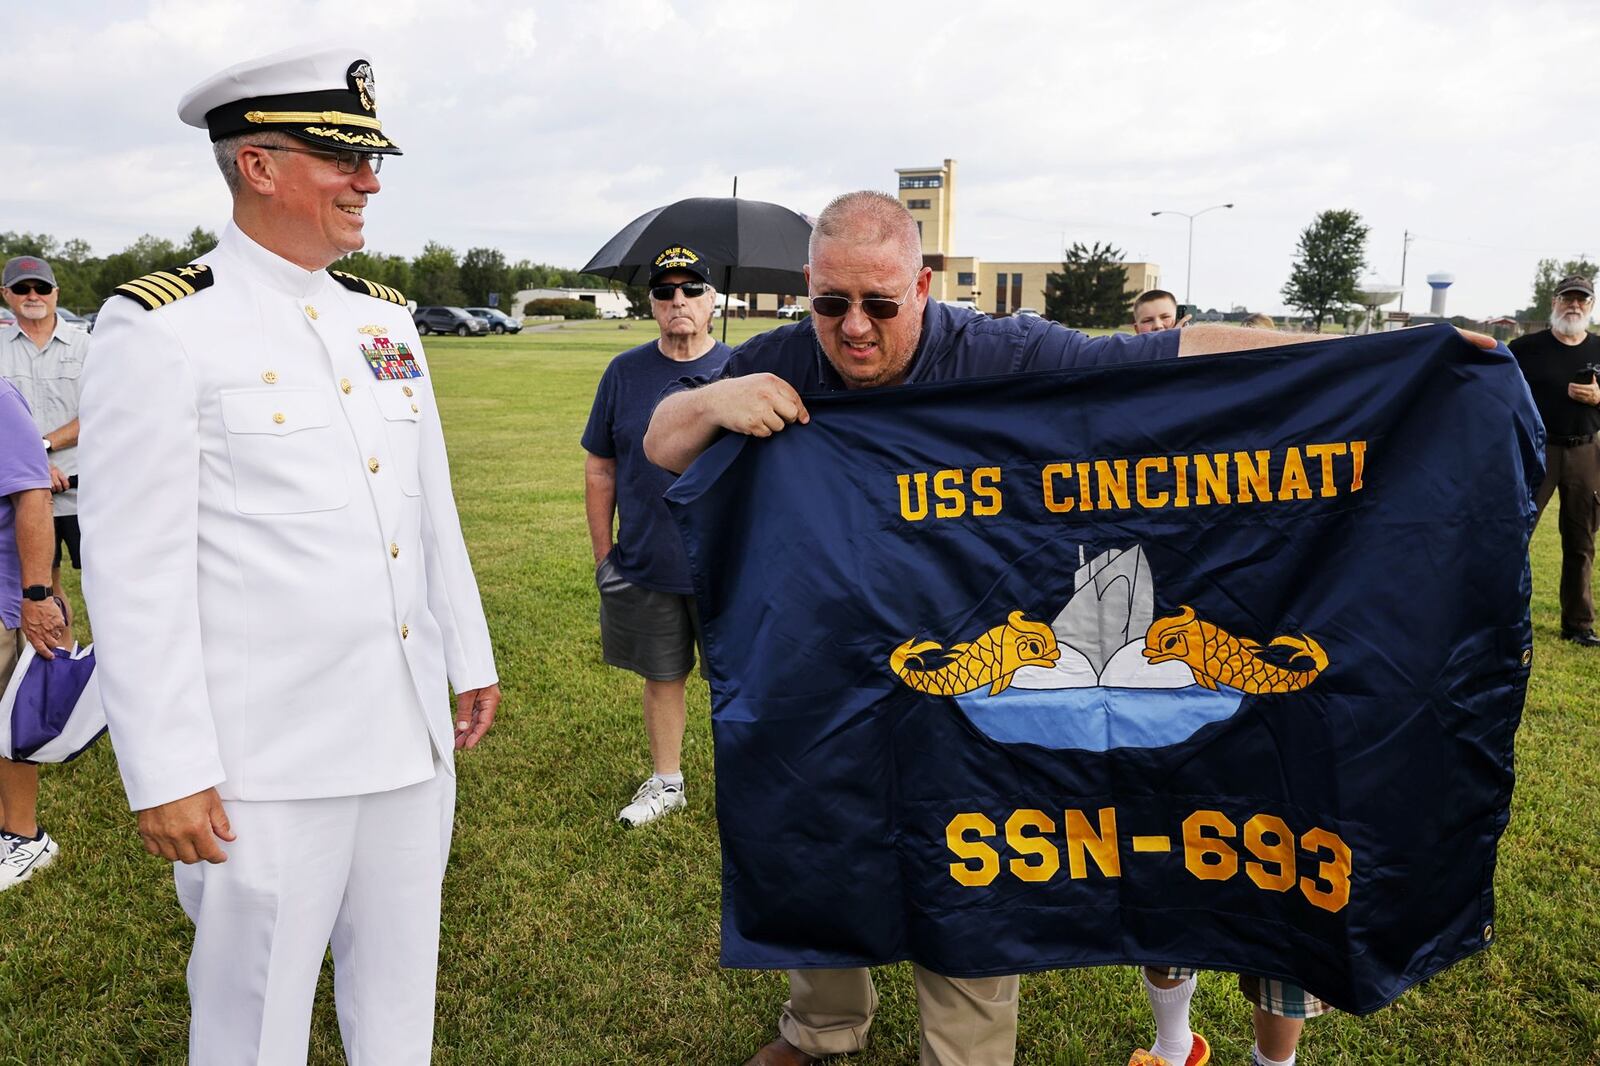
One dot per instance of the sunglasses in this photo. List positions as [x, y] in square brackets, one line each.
[347, 162]
[40, 288]
[879, 307]
[691, 289]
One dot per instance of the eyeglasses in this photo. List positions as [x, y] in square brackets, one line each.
[871, 306]
[1578, 298]
[691, 289]
[347, 162]
[41, 288]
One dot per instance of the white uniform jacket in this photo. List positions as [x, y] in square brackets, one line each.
[273, 560]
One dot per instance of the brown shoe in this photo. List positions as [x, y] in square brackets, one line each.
[780, 1053]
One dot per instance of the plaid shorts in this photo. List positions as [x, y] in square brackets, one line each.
[1283, 998]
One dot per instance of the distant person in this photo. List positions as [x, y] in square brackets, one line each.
[43, 357]
[27, 612]
[1259, 321]
[647, 616]
[282, 596]
[1559, 364]
[1157, 310]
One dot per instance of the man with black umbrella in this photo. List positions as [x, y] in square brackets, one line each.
[646, 599]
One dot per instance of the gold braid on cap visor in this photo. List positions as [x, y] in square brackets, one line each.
[332, 118]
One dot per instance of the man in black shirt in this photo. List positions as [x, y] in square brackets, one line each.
[1560, 368]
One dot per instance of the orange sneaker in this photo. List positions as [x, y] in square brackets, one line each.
[1199, 1055]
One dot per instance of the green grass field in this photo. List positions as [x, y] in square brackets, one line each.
[568, 940]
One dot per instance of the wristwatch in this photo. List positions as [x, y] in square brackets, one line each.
[36, 592]
[47, 445]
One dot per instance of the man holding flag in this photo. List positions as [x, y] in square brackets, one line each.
[874, 327]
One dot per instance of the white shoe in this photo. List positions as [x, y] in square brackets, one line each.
[654, 799]
[24, 857]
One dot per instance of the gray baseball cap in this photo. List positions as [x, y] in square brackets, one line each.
[28, 267]
[1570, 283]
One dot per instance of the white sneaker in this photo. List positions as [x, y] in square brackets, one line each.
[24, 857]
[654, 799]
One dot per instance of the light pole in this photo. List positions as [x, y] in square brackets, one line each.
[1189, 269]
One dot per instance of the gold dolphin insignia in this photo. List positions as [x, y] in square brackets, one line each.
[1218, 657]
[990, 660]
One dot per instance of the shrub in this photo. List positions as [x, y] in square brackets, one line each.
[562, 306]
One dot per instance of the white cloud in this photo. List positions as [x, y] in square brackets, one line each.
[540, 128]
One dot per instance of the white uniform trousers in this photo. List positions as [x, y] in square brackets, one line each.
[965, 1021]
[364, 871]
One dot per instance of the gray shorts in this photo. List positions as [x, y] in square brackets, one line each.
[651, 633]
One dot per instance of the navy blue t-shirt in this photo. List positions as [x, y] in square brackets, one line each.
[956, 343]
[648, 551]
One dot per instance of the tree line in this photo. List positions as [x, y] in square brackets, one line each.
[435, 276]
[1331, 253]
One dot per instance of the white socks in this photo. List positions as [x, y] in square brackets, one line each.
[1262, 1060]
[1171, 1008]
[671, 780]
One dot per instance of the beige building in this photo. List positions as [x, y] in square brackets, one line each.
[996, 287]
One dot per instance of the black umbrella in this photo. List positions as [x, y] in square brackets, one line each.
[749, 245]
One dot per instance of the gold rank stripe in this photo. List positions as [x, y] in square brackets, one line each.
[371, 288]
[162, 287]
[332, 118]
[153, 290]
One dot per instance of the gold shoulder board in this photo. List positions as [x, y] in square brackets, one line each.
[368, 288]
[163, 287]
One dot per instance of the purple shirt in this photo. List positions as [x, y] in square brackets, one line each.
[23, 466]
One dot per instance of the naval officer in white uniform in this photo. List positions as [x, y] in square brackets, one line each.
[279, 585]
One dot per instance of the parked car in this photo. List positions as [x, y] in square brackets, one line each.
[499, 321]
[791, 311]
[612, 312]
[72, 319]
[1026, 312]
[6, 317]
[88, 320]
[448, 320]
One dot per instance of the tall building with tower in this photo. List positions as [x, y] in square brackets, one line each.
[997, 287]
[929, 194]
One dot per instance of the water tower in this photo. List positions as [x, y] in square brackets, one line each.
[1439, 283]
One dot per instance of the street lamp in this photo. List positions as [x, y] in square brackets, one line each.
[1189, 269]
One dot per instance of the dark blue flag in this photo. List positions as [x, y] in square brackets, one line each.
[1215, 662]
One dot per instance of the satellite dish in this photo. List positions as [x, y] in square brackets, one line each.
[1374, 292]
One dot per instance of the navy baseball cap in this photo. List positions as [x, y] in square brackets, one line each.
[679, 257]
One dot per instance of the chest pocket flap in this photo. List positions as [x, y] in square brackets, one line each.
[401, 413]
[284, 450]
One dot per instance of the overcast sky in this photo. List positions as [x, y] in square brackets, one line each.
[542, 128]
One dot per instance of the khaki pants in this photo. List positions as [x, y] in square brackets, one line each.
[1575, 472]
[10, 652]
[965, 1021]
